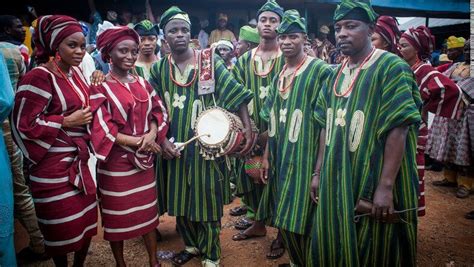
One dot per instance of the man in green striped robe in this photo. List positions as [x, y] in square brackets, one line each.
[369, 112]
[196, 188]
[256, 70]
[292, 139]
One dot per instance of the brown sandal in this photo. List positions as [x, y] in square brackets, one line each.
[243, 236]
[277, 249]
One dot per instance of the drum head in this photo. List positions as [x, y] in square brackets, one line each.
[215, 123]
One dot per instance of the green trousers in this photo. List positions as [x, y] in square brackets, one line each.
[298, 247]
[201, 238]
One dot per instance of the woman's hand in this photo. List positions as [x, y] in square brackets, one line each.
[148, 143]
[78, 118]
[97, 78]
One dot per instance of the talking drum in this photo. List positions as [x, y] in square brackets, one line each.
[220, 133]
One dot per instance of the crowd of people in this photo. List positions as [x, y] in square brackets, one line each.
[96, 119]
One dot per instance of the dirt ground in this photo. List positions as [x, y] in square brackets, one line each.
[445, 237]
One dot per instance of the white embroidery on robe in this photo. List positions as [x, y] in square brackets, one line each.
[340, 120]
[329, 124]
[355, 130]
[272, 126]
[250, 107]
[283, 115]
[295, 125]
[178, 101]
[264, 90]
[197, 109]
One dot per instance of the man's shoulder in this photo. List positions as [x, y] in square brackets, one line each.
[9, 50]
[389, 61]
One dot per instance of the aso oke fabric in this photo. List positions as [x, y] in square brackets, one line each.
[67, 216]
[108, 39]
[346, 6]
[292, 22]
[196, 188]
[385, 96]
[422, 40]
[272, 6]
[51, 30]
[244, 72]
[249, 34]
[451, 139]
[293, 141]
[173, 12]
[387, 27]
[440, 96]
[146, 28]
[126, 189]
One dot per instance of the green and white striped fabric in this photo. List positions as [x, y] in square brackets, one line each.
[385, 96]
[293, 145]
[196, 188]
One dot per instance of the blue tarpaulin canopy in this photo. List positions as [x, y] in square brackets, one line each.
[419, 8]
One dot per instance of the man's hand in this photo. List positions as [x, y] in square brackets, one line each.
[169, 150]
[383, 203]
[315, 188]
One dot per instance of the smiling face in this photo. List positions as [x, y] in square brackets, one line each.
[267, 24]
[352, 36]
[177, 35]
[291, 44]
[124, 55]
[72, 49]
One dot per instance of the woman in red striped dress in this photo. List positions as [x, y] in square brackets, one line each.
[50, 116]
[129, 123]
[440, 94]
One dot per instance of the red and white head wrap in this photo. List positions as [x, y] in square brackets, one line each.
[107, 40]
[422, 40]
[50, 31]
[387, 27]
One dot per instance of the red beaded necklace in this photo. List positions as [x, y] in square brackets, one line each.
[194, 75]
[417, 64]
[255, 68]
[84, 91]
[130, 90]
[285, 89]
[351, 86]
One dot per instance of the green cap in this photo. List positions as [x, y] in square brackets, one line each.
[146, 28]
[272, 6]
[349, 7]
[292, 22]
[249, 34]
[171, 13]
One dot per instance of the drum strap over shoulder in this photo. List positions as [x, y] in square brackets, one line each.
[207, 81]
